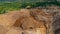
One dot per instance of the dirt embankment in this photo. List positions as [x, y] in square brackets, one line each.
[28, 21]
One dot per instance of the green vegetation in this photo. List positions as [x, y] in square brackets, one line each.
[19, 5]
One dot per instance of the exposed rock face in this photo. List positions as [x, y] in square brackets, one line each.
[29, 21]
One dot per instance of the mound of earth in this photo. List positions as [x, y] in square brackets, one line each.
[28, 21]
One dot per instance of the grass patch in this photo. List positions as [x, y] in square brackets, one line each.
[17, 5]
